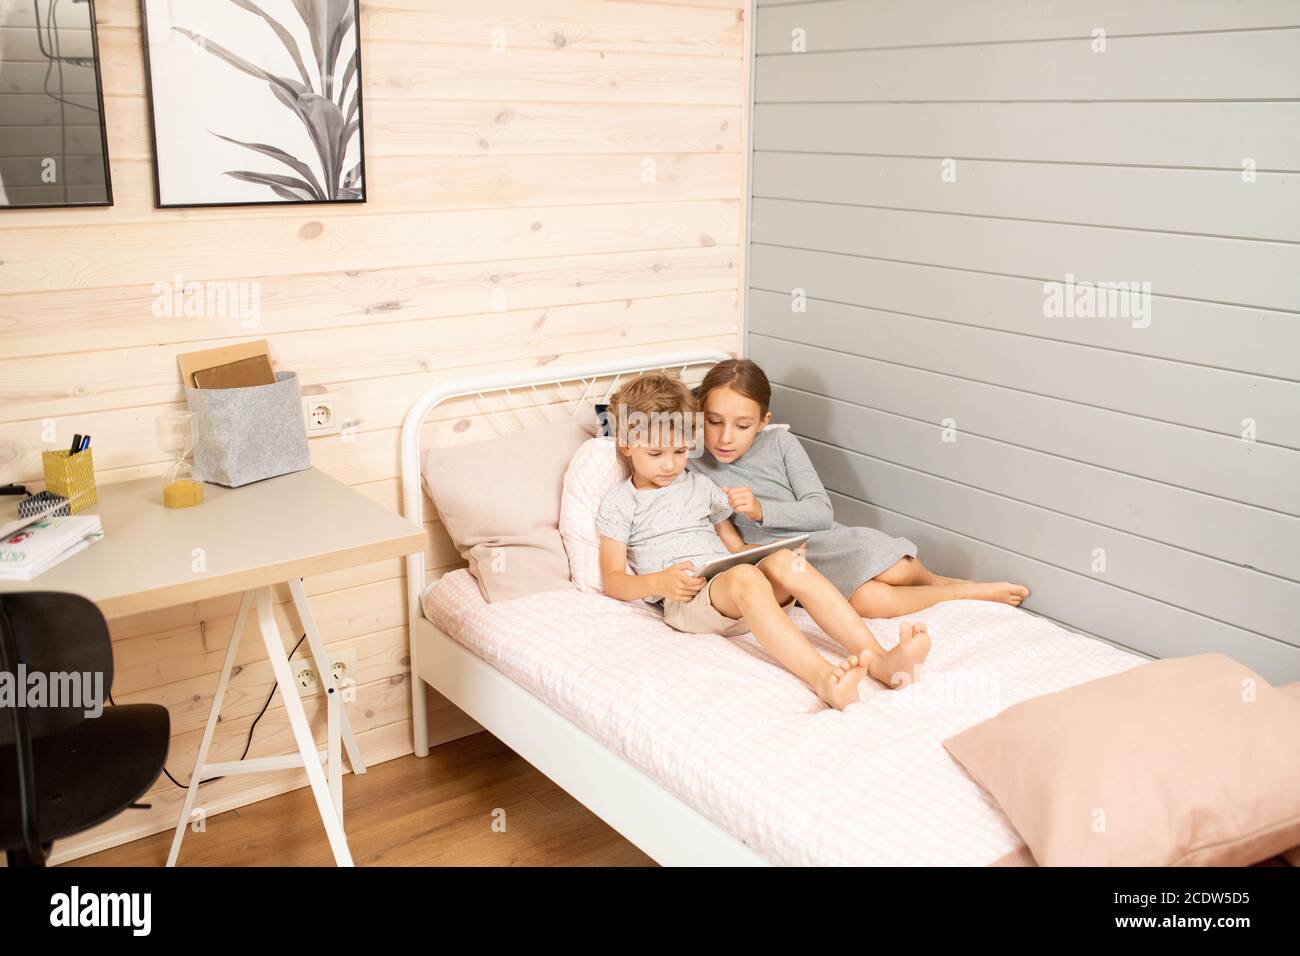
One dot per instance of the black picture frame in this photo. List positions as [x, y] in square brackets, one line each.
[153, 128]
[103, 131]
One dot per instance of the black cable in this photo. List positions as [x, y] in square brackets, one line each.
[267, 703]
[248, 743]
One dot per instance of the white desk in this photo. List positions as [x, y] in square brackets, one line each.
[241, 540]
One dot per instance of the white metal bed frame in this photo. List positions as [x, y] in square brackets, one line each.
[661, 824]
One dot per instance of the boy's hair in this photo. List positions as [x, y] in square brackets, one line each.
[651, 407]
[743, 376]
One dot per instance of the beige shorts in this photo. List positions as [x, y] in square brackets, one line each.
[699, 616]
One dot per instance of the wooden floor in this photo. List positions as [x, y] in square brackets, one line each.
[438, 811]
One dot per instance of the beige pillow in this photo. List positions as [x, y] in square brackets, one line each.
[500, 502]
[1186, 761]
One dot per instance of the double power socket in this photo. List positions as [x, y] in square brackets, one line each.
[343, 668]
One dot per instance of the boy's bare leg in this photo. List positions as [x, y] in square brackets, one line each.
[792, 574]
[743, 591]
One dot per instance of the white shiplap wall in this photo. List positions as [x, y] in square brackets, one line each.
[925, 297]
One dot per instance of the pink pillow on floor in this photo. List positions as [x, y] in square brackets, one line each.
[1186, 761]
[1292, 856]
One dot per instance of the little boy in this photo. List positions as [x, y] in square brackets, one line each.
[666, 521]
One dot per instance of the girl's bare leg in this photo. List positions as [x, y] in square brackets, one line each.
[909, 586]
[876, 599]
[743, 591]
[791, 574]
[910, 572]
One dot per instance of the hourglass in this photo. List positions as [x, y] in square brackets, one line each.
[181, 488]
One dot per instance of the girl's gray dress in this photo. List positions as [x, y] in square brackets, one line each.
[777, 470]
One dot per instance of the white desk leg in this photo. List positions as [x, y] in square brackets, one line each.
[214, 714]
[338, 726]
[332, 707]
[301, 731]
[335, 716]
[317, 645]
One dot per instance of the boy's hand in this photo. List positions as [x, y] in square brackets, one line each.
[678, 583]
[743, 502]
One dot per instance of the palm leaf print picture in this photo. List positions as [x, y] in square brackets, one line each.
[255, 101]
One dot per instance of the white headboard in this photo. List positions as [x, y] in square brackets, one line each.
[512, 393]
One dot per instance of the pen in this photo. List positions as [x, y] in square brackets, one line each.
[85, 443]
[76, 445]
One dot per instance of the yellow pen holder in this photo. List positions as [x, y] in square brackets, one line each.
[72, 476]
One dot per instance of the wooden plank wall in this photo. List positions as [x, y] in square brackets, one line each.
[1143, 479]
[520, 174]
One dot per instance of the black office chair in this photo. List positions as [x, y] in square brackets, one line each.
[62, 772]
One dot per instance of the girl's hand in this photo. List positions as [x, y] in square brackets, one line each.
[677, 583]
[743, 502]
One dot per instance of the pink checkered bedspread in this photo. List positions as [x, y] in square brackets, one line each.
[747, 744]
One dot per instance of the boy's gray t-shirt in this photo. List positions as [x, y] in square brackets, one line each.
[662, 526]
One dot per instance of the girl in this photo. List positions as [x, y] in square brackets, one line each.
[665, 521]
[775, 492]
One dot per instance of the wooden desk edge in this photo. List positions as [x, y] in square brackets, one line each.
[210, 586]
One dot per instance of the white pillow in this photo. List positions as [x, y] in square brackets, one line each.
[592, 474]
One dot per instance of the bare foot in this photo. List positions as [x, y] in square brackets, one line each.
[839, 688]
[901, 665]
[1003, 592]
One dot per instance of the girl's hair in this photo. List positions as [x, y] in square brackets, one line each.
[652, 405]
[742, 375]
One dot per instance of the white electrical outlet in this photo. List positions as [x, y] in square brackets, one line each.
[343, 666]
[304, 675]
[320, 410]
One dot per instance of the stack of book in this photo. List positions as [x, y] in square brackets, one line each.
[40, 544]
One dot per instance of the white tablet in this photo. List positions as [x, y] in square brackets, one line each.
[752, 556]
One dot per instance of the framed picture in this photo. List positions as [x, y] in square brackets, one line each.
[255, 102]
[53, 147]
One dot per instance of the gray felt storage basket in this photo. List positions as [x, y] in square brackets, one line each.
[243, 435]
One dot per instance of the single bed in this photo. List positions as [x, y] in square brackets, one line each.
[698, 748]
